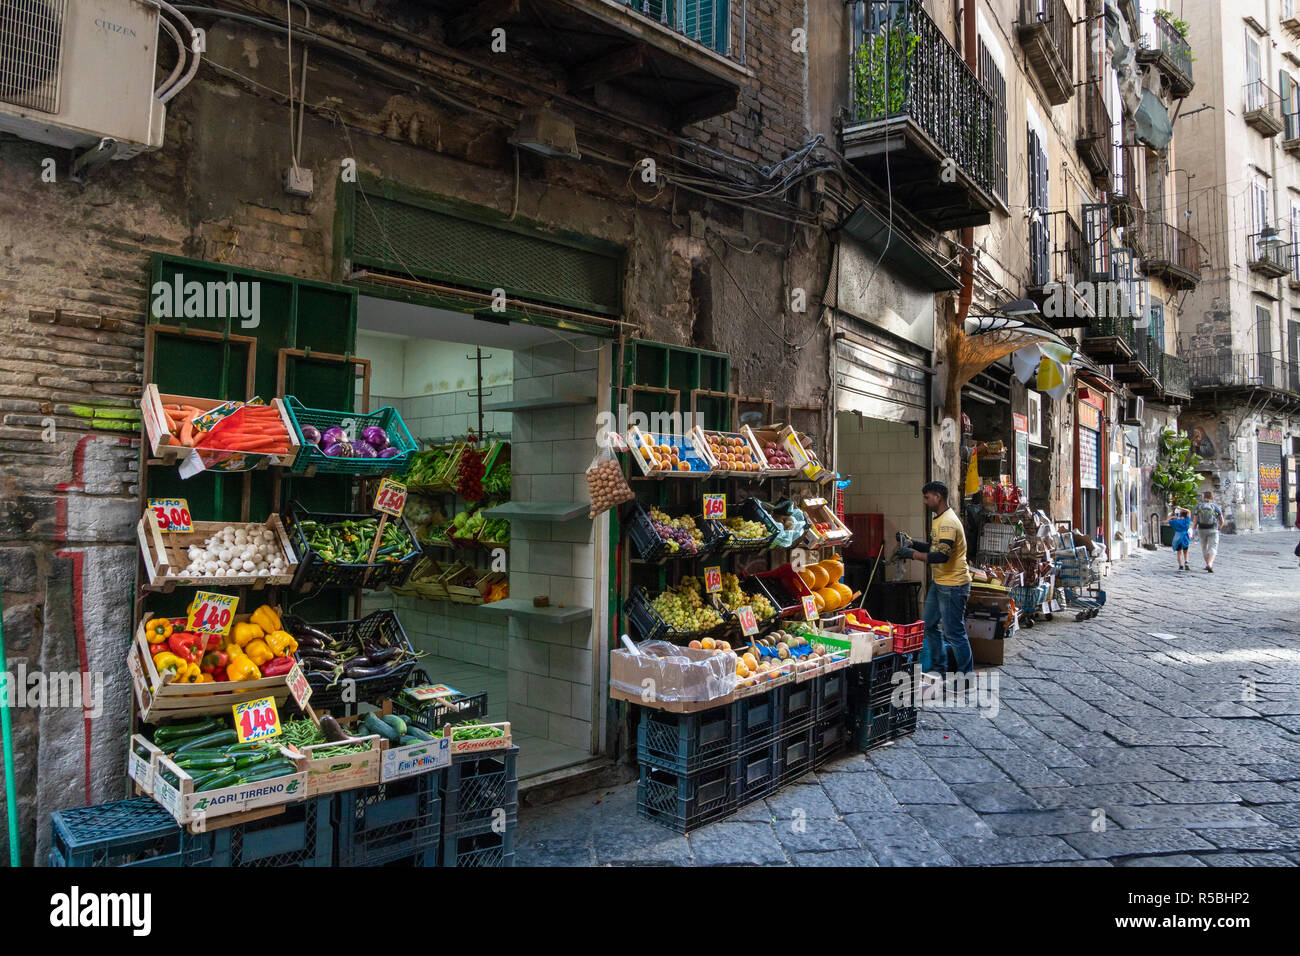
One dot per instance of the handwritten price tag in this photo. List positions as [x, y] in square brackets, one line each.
[713, 580]
[391, 497]
[809, 608]
[173, 515]
[211, 613]
[298, 686]
[257, 720]
[748, 623]
[715, 506]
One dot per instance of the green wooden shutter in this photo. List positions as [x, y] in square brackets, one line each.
[1284, 84]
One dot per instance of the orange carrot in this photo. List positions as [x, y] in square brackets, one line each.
[187, 432]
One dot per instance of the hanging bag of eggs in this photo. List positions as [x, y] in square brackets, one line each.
[605, 481]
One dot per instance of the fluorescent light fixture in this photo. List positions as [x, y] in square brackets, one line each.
[1018, 307]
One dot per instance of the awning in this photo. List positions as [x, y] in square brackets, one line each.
[898, 251]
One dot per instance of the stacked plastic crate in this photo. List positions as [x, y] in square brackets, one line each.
[480, 809]
[882, 701]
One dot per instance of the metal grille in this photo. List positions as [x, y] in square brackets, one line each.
[407, 239]
[996, 84]
[31, 53]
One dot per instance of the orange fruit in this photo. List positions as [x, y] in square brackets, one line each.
[820, 577]
[818, 601]
[806, 576]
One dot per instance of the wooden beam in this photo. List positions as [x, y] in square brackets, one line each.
[715, 104]
[626, 60]
[480, 19]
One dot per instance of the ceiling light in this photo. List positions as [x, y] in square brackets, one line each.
[1018, 307]
[547, 133]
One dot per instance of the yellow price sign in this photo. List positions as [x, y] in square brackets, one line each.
[748, 623]
[715, 506]
[211, 613]
[173, 515]
[713, 579]
[391, 497]
[809, 608]
[257, 720]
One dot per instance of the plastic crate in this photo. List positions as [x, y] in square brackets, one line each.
[796, 751]
[758, 772]
[750, 510]
[484, 848]
[902, 722]
[315, 571]
[135, 832]
[435, 715]
[650, 547]
[688, 743]
[759, 717]
[868, 535]
[832, 692]
[368, 689]
[871, 727]
[301, 836]
[783, 588]
[909, 637]
[684, 802]
[997, 538]
[829, 738]
[478, 789]
[797, 704]
[312, 459]
[646, 621]
[391, 821]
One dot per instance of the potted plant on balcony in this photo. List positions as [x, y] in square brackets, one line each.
[1179, 26]
[880, 69]
[1175, 477]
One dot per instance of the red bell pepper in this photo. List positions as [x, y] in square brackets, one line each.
[277, 667]
[219, 674]
[188, 647]
[156, 649]
[214, 661]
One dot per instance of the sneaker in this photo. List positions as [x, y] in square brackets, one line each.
[1211, 570]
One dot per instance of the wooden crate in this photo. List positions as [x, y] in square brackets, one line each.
[747, 435]
[162, 445]
[461, 747]
[486, 581]
[172, 701]
[818, 510]
[141, 760]
[774, 435]
[344, 772]
[165, 555]
[636, 439]
[193, 809]
[461, 585]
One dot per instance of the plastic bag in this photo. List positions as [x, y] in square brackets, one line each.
[665, 673]
[790, 519]
[606, 483]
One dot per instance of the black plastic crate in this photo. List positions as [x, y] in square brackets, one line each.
[684, 802]
[758, 772]
[482, 848]
[829, 738]
[135, 832]
[303, 835]
[727, 542]
[379, 626]
[479, 789]
[652, 548]
[796, 752]
[871, 727]
[645, 620]
[797, 704]
[434, 715]
[759, 717]
[832, 693]
[902, 721]
[315, 571]
[774, 589]
[390, 821]
[687, 743]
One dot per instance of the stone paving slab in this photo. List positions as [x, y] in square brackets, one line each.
[1187, 750]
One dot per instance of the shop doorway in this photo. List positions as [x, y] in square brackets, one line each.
[531, 391]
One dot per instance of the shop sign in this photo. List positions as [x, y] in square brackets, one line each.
[256, 720]
[1273, 435]
[748, 623]
[1090, 416]
[713, 579]
[809, 608]
[1021, 422]
[211, 613]
[715, 506]
[391, 497]
[173, 515]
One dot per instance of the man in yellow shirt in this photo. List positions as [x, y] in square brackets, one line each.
[945, 601]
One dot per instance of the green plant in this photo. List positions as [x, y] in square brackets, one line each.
[880, 71]
[1175, 477]
[1179, 26]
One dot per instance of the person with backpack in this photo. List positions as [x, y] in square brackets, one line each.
[1181, 522]
[1209, 521]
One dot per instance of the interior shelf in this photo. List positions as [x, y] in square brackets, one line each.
[537, 404]
[539, 510]
[523, 608]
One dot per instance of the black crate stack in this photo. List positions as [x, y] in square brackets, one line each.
[881, 701]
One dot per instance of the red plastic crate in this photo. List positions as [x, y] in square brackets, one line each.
[909, 637]
[868, 535]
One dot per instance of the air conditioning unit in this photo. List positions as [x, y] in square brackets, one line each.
[74, 73]
[1133, 408]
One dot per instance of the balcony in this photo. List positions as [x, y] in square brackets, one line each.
[1126, 197]
[1175, 377]
[1095, 132]
[1172, 255]
[1059, 261]
[1225, 375]
[1293, 279]
[1141, 370]
[1263, 109]
[677, 61]
[1046, 32]
[1266, 255]
[1109, 340]
[1291, 131]
[1170, 53]
[921, 122]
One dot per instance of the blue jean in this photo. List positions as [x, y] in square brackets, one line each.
[945, 617]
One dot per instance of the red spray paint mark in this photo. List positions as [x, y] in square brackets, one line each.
[79, 626]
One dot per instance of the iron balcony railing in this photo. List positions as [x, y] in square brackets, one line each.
[904, 67]
[1169, 244]
[1242, 370]
[1175, 46]
[1095, 132]
[1055, 15]
[1291, 125]
[1268, 257]
[1263, 108]
[1295, 264]
[1175, 376]
[1057, 251]
[1119, 326]
[707, 22]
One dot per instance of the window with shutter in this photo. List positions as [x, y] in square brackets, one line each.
[1096, 239]
[1264, 343]
[1284, 88]
[1293, 356]
[1258, 215]
[1039, 232]
[1254, 92]
[996, 84]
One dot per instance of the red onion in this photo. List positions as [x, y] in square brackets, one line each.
[375, 437]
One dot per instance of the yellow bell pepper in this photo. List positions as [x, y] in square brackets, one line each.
[189, 673]
[257, 652]
[241, 668]
[266, 619]
[205, 679]
[167, 661]
[242, 633]
[157, 630]
[282, 643]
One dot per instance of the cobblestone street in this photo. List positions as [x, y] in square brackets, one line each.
[1165, 732]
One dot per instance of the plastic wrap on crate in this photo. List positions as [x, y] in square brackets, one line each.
[677, 675]
[785, 537]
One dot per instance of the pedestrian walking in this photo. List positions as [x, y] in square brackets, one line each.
[1297, 527]
[1209, 521]
[945, 601]
[1181, 522]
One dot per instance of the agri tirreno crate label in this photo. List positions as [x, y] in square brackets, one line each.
[173, 515]
[243, 796]
[399, 762]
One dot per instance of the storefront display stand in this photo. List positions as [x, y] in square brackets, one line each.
[523, 608]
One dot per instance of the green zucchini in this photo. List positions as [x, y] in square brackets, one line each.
[397, 723]
[217, 739]
[418, 733]
[248, 760]
[220, 780]
[373, 725]
[407, 739]
[273, 768]
[207, 725]
[190, 764]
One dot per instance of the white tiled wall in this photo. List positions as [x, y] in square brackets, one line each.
[887, 465]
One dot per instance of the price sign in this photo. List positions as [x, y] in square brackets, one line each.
[713, 580]
[257, 720]
[298, 686]
[211, 613]
[173, 514]
[391, 497]
[748, 623]
[809, 608]
[715, 506]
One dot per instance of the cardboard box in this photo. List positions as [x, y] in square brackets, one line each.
[683, 681]
[987, 651]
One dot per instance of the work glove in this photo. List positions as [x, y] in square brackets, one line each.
[905, 553]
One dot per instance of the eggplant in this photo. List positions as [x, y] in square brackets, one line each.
[358, 672]
[311, 433]
[389, 452]
[363, 449]
[334, 433]
[330, 727]
[381, 655]
[300, 628]
[310, 643]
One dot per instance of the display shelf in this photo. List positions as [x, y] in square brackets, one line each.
[538, 404]
[539, 510]
[523, 607]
